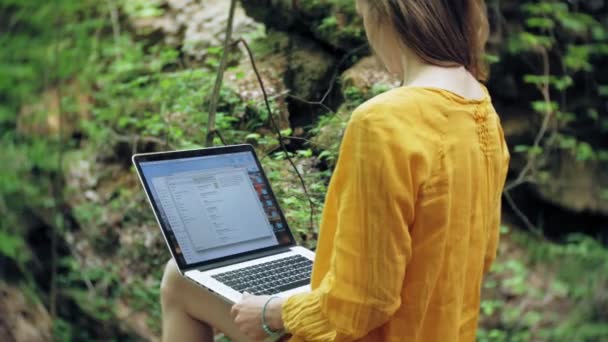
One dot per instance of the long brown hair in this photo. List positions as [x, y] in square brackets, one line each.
[441, 32]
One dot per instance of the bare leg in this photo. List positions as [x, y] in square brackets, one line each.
[190, 312]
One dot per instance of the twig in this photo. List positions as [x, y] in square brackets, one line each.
[308, 141]
[219, 135]
[314, 103]
[278, 130]
[337, 69]
[332, 81]
[115, 25]
[523, 176]
[521, 215]
[220, 75]
[545, 91]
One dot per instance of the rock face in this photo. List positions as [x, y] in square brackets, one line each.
[308, 77]
[22, 319]
[309, 66]
[576, 185]
[291, 63]
[333, 22]
[360, 82]
[113, 226]
[366, 74]
[196, 25]
[290, 66]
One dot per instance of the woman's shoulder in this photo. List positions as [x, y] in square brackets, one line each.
[403, 108]
[385, 103]
[400, 118]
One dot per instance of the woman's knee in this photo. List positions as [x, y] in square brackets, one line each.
[171, 283]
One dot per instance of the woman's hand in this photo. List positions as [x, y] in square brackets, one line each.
[247, 315]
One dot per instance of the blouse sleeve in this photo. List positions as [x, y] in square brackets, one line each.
[375, 194]
[493, 238]
[494, 229]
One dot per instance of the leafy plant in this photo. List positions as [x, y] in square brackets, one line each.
[564, 41]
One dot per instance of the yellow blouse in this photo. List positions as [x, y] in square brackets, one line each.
[410, 224]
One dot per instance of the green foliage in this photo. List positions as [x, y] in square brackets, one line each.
[332, 125]
[145, 298]
[42, 50]
[570, 42]
[574, 276]
[293, 200]
[11, 246]
[143, 95]
[343, 27]
[142, 8]
[51, 45]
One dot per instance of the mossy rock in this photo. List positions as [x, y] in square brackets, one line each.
[364, 80]
[332, 22]
[289, 64]
[308, 66]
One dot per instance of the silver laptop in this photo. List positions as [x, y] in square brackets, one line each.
[222, 222]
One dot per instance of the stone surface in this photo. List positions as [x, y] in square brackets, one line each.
[309, 68]
[332, 22]
[576, 185]
[288, 65]
[360, 82]
[272, 62]
[367, 73]
[196, 25]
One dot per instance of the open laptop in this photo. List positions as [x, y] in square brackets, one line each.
[222, 222]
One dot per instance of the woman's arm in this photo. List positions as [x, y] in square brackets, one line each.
[375, 194]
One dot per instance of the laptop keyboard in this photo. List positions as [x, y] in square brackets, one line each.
[270, 277]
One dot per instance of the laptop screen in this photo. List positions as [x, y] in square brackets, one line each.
[214, 206]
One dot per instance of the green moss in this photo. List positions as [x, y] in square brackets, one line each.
[269, 42]
[344, 27]
[309, 65]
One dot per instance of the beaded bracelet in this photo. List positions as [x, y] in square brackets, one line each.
[265, 326]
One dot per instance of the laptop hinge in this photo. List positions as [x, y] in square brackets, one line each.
[233, 261]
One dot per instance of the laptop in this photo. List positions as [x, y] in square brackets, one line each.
[222, 222]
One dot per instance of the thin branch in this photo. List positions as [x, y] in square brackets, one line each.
[531, 227]
[219, 135]
[115, 25]
[219, 78]
[308, 141]
[275, 96]
[278, 130]
[314, 103]
[547, 97]
[549, 115]
[332, 81]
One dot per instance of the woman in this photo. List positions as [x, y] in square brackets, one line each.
[411, 217]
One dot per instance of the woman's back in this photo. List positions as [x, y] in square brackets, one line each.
[412, 212]
[410, 223]
[457, 220]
